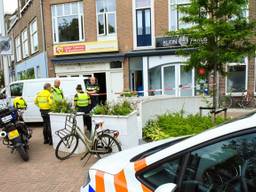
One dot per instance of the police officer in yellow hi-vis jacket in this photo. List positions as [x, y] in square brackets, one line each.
[19, 103]
[57, 92]
[44, 101]
[82, 103]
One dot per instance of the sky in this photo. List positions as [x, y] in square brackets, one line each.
[10, 6]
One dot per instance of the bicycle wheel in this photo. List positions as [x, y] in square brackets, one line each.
[66, 147]
[225, 101]
[105, 145]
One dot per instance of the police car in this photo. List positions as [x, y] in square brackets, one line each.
[217, 160]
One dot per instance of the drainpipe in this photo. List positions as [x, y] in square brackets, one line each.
[43, 36]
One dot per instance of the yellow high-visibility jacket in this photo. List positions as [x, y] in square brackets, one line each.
[44, 100]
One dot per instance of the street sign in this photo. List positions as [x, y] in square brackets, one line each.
[5, 46]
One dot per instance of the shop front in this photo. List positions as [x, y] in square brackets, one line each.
[74, 60]
[162, 72]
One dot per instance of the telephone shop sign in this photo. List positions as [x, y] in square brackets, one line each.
[174, 41]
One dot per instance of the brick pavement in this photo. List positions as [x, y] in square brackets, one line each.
[43, 172]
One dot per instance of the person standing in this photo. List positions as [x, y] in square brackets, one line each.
[82, 103]
[57, 92]
[92, 89]
[44, 101]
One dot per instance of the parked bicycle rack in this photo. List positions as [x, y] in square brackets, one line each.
[214, 112]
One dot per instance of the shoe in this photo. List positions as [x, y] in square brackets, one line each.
[46, 142]
[50, 142]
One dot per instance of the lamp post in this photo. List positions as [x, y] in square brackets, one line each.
[4, 58]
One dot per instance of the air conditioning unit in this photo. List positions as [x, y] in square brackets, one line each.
[5, 46]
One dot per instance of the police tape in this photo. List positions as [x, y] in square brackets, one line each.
[145, 91]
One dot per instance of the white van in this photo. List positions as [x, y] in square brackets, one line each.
[29, 88]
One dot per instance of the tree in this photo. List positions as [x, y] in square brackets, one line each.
[220, 33]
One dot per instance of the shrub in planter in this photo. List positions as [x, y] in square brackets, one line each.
[122, 108]
[173, 125]
[62, 107]
[122, 117]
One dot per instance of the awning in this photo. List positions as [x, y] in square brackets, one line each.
[95, 58]
[157, 52]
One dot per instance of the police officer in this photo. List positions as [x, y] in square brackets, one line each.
[82, 103]
[44, 101]
[92, 89]
[19, 103]
[57, 92]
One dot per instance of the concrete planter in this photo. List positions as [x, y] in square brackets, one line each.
[58, 123]
[126, 125]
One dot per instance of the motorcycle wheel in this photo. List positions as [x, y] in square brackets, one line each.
[23, 153]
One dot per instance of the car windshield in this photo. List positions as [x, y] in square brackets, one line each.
[158, 148]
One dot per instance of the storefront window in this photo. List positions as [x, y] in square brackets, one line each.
[27, 74]
[106, 16]
[155, 81]
[67, 22]
[236, 78]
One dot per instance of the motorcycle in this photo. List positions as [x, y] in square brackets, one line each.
[15, 133]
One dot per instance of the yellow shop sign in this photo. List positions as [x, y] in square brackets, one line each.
[86, 47]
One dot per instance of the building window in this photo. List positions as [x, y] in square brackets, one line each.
[18, 48]
[24, 37]
[27, 74]
[67, 21]
[236, 78]
[143, 23]
[106, 17]
[175, 15]
[34, 36]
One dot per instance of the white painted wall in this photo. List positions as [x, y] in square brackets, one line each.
[151, 107]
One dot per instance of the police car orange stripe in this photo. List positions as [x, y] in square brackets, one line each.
[120, 182]
[99, 179]
[139, 165]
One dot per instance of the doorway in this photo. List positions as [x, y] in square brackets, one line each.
[177, 81]
[101, 80]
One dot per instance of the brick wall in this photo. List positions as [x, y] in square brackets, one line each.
[161, 17]
[32, 12]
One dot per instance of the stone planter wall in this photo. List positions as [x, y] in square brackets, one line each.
[126, 125]
[58, 123]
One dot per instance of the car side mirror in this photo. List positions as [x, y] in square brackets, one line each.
[168, 187]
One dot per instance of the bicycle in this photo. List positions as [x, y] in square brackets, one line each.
[101, 142]
[247, 100]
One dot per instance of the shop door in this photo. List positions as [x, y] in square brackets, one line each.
[101, 79]
[169, 80]
[176, 81]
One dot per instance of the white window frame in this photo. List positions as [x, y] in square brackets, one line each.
[79, 14]
[18, 48]
[173, 13]
[25, 45]
[177, 78]
[32, 34]
[246, 77]
[106, 35]
[153, 39]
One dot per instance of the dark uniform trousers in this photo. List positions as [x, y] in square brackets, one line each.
[46, 125]
[86, 116]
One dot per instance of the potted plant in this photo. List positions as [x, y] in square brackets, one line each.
[59, 112]
[119, 116]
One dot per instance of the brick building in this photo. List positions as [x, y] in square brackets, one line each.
[123, 44]
[26, 30]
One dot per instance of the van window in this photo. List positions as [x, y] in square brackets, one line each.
[16, 89]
